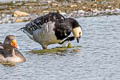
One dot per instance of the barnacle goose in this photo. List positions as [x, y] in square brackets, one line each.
[52, 28]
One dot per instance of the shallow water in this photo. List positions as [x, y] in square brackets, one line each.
[98, 59]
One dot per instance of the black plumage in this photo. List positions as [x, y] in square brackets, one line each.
[61, 29]
[36, 24]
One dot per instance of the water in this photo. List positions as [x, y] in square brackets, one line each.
[98, 59]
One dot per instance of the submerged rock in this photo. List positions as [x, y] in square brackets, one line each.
[50, 51]
[58, 50]
[8, 64]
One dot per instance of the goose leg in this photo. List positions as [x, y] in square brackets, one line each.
[68, 39]
[44, 46]
[63, 45]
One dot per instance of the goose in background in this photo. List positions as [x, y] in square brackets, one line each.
[9, 52]
[52, 28]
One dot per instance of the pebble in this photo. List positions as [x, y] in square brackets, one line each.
[8, 18]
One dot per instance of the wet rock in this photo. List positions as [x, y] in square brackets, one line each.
[73, 5]
[45, 11]
[6, 18]
[20, 14]
[9, 18]
[54, 4]
[22, 19]
[95, 12]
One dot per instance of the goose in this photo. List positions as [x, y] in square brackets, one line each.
[52, 28]
[9, 52]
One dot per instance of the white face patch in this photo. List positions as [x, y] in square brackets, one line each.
[77, 32]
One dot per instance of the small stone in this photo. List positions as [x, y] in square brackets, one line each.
[76, 50]
[20, 13]
[69, 45]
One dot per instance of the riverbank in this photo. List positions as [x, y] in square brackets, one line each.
[35, 9]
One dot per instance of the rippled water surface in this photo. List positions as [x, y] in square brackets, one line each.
[98, 59]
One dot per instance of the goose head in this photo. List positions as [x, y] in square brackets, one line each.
[10, 42]
[76, 29]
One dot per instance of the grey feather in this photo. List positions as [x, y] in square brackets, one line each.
[28, 34]
[46, 34]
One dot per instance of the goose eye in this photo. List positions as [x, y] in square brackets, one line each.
[79, 33]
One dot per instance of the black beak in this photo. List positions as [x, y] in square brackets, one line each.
[77, 39]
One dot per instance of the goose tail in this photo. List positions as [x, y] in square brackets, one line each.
[26, 32]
